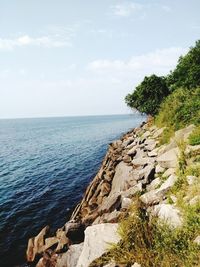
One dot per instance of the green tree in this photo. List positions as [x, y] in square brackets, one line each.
[187, 71]
[148, 96]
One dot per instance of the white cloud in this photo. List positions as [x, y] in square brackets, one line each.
[55, 36]
[126, 9]
[159, 61]
[26, 40]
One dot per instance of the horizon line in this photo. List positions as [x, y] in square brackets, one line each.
[68, 116]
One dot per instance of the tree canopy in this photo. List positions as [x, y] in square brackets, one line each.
[187, 71]
[148, 96]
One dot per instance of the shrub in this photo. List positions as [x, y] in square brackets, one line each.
[187, 71]
[179, 109]
[151, 242]
[194, 138]
[148, 96]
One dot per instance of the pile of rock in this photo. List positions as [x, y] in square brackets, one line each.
[134, 164]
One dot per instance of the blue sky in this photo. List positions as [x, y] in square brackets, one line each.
[65, 58]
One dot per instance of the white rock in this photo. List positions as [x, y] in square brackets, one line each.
[110, 265]
[126, 202]
[158, 132]
[159, 169]
[184, 133]
[146, 134]
[192, 149]
[168, 183]
[194, 200]
[191, 179]
[169, 159]
[132, 190]
[123, 175]
[155, 196]
[132, 151]
[97, 238]
[136, 265]
[140, 161]
[169, 214]
[154, 184]
[169, 172]
[70, 258]
[153, 153]
[197, 240]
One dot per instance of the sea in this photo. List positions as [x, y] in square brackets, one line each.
[45, 167]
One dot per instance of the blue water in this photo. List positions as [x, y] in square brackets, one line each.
[45, 166]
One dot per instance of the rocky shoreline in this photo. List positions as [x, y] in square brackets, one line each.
[133, 165]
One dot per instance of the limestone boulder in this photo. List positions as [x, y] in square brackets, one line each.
[110, 203]
[157, 195]
[159, 169]
[97, 238]
[168, 172]
[126, 203]
[154, 184]
[197, 240]
[70, 258]
[168, 184]
[158, 132]
[112, 217]
[132, 151]
[184, 133]
[36, 244]
[132, 191]
[152, 197]
[49, 242]
[142, 161]
[168, 213]
[169, 159]
[123, 175]
[146, 175]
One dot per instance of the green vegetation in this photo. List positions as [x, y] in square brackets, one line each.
[174, 101]
[187, 72]
[166, 135]
[153, 243]
[148, 96]
[180, 108]
[194, 138]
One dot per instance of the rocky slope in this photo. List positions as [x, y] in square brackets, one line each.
[133, 165]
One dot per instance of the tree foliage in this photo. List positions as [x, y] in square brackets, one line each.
[187, 71]
[153, 90]
[148, 96]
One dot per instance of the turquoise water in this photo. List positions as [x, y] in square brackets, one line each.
[45, 166]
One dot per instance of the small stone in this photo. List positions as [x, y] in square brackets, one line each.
[159, 169]
[191, 179]
[194, 200]
[168, 172]
[126, 203]
[49, 242]
[154, 184]
[197, 240]
[136, 265]
[153, 153]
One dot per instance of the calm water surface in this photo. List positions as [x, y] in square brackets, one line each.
[45, 166]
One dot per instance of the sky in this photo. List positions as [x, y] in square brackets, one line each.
[70, 58]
